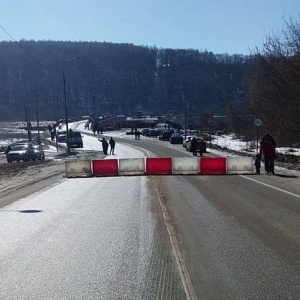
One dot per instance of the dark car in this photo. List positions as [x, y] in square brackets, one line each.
[189, 145]
[165, 135]
[9, 147]
[145, 131]
[176, 138]
[20, 152]
[75, 139]
[61, 136]
[153, 133]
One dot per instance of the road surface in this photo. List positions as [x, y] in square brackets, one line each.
[107, 238]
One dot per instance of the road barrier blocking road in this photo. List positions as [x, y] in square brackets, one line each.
[239, 165]
[131, 166]
[78, 168]
[105, 167]
[159, 166]
[213, 165]
[185, 165]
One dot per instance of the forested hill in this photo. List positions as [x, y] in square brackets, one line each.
[113, 78]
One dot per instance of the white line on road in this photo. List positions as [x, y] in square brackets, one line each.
[271, 186]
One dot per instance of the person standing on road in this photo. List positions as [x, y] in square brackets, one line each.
[202, 147]
[194, 145]
[267, 149]
[104, 146]
[112, 144]
[257, 164]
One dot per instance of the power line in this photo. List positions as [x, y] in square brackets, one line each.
[25, 51]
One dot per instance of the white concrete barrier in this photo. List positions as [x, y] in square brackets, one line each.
[239, 165]
[179, 166]
[131, 166]
[186, 165]
[78, 168]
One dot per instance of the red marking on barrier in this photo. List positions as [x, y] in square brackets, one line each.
[213, 165]
[158, 166]
[105, 167]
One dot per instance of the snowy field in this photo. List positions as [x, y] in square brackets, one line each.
[232, 143]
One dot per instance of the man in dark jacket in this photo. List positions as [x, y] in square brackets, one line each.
[267, 149]
[104, 146]
[202, 147]
[112, 144]
[194, 146]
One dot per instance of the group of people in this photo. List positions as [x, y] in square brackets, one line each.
[268, 151]
[105, 144]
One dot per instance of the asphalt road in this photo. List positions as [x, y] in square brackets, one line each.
[239, 235]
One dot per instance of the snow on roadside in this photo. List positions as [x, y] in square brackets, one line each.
[231, 142]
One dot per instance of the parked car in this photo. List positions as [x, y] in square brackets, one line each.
[61, 136]
[187, 139]
[75, 139]
[39, 152]
[188, 144]
[165, 135]
[145, 131]
[176, 138]
[20, 152]
[153, 133]
[9, 147]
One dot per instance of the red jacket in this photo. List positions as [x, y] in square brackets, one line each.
[267, 148]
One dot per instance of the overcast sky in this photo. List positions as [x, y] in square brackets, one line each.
[220, 26]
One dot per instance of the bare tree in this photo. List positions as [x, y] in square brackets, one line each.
[274, 85]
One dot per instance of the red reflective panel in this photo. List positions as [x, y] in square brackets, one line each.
[213, 165]
[105, 167]
[158, 166]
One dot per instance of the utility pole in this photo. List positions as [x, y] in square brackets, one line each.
[66, 104]
[185, 115]
[37, 117]
[28, 124]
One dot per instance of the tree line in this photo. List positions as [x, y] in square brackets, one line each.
[109, 78]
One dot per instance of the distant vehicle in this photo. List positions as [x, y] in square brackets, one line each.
[153, 133]
[20, 152]
[176, 138]
[188, 145]
[9, 147]
[61, 136]
[165, 135]
[39, 152]
[187, 139]
[75, 139]
[145, 131]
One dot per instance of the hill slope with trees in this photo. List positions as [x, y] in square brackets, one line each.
[115, 79]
